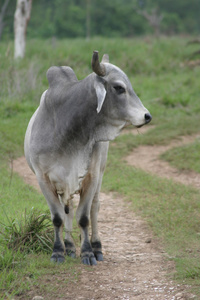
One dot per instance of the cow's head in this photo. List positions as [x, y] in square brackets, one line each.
[114, 92]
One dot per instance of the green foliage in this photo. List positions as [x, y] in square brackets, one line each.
[172, 23]
[118, 18]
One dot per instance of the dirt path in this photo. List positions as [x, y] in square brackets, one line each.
[134, 267]
[147, 158]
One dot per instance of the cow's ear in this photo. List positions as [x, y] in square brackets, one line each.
[101, 95]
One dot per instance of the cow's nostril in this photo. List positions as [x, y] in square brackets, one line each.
[147, 117]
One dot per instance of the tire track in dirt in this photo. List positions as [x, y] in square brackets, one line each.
[134, 267]
[147, 158]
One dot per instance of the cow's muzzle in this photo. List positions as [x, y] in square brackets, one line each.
[147, 118]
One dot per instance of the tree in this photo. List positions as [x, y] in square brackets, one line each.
[154, 19]
[2, 14]
[22, 16]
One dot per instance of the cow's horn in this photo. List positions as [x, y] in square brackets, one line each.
[98, 67]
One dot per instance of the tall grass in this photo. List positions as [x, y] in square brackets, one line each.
[33, 232]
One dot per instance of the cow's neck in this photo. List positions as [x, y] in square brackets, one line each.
[107, 130]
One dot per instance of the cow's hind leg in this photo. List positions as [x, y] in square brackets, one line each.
[59, 247]
[57, 216]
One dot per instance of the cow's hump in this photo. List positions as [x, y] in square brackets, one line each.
[59, 76]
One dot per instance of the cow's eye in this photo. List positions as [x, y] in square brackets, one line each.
[119, 89]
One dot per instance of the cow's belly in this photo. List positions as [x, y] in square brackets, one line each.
[67, 174]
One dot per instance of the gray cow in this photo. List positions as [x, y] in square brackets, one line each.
[66, 146]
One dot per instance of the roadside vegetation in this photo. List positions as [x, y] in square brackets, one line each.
[168, 87]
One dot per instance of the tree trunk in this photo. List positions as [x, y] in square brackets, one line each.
[2, 14]
[22, 16]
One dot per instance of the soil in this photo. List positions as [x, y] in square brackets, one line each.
[135, 265]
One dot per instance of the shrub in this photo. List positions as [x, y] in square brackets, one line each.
[33, 233]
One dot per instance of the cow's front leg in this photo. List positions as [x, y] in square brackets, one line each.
[69, 243]
[82, 217]
[102, 148]
[95, 239]
[87, 255]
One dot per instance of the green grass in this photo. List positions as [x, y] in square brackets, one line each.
[25, 273]
[185, 157]
[166, 86]
[16, 197]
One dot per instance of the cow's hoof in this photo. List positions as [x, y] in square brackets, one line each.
[71, 253]
[99, 256]
[70, 249]
[57, 258]
[89, 260]
[96, 248]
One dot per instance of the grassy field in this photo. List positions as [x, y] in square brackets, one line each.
[168, 87]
